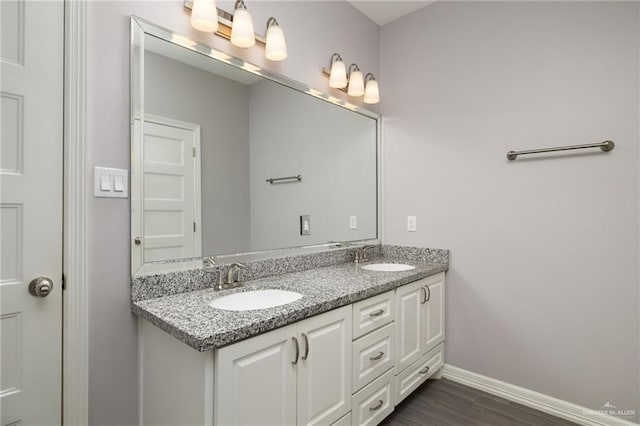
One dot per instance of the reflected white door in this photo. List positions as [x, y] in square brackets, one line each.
[168, 219]
[31, 210]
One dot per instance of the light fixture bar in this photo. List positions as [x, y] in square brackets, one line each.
[225, 21]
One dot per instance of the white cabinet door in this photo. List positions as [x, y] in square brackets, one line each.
[409, 324]
[324, 371]
[434, 327]
[256, 380]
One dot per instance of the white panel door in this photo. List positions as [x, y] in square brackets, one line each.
[324, 372]
[410, 324]
[434, 327]
[31, 92]
[256, 381]
[168, 219]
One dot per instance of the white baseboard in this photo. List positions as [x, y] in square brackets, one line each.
[547, 404]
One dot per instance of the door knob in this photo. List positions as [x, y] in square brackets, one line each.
[40, 287]
[137, 240]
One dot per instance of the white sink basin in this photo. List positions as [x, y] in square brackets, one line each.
[259, 299]
[388, 267]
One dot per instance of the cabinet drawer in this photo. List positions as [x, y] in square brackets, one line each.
[373, 354]
[344, 420]
[375, 402]
[418, 372]
[373, 313]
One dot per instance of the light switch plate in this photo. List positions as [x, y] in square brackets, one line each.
[110, 183]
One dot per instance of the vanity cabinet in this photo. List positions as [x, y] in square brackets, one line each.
[419, 332]
[351, 365]
[299, 374]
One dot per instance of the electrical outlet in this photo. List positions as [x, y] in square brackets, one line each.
[305, 224]
[411, 223]
[353, 222]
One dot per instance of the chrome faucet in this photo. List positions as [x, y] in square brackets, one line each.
[361, 254]
[234, 277]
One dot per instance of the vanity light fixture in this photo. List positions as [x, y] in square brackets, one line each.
[242, 34]
[204, 16]
[338, 74]
[352, 81]
[276, 46]
[237, 28]
[356, 81]
[371, 90]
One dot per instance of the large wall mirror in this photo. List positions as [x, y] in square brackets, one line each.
[210, 131]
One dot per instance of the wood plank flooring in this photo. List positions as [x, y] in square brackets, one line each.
[446, 403]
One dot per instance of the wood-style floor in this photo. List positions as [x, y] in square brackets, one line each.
[446, 403]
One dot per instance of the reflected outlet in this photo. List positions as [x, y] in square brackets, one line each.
[305, 224]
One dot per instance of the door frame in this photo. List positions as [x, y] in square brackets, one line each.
[75, 327]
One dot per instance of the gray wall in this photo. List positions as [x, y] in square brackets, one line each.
[221, 107]
[334, 150]
[543, 286]
[113, 376]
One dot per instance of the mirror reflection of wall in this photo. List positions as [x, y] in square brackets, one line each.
[213, 135]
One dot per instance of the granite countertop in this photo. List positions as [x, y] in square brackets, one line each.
[188, 316]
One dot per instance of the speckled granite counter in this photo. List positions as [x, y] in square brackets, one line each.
[188, 316]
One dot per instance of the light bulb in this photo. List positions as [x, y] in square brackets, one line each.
[338, 77]
[371, 92]
[204, 16]
[242, 34]
[356, 84]
[276, 47]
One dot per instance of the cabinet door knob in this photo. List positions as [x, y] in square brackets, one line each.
[295, 360]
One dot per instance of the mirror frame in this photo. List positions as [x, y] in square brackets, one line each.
[137, 79]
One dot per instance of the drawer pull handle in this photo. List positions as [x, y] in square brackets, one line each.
[424, 370]
[377, 357]
[377, 313]
[424, 297]
[377, 406]
[429, 291]
[295, 361]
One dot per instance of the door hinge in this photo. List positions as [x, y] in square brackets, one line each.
[64, 282]
[194, 227]
[194, 152]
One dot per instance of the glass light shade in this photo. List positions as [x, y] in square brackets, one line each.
[356, 84]
[242, 34]
[204, 16]
[372, 92]
[338, 77]
[276, 48]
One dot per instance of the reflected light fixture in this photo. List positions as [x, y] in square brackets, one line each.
[276, 46]
[371, 90]
[356, 81]
[338, 74]
[204, 16]
[242, 34]
[352, 81]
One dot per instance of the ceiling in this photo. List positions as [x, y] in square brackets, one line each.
[384, 11]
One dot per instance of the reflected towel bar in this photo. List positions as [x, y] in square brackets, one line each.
[605, 146]
[296, 178]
